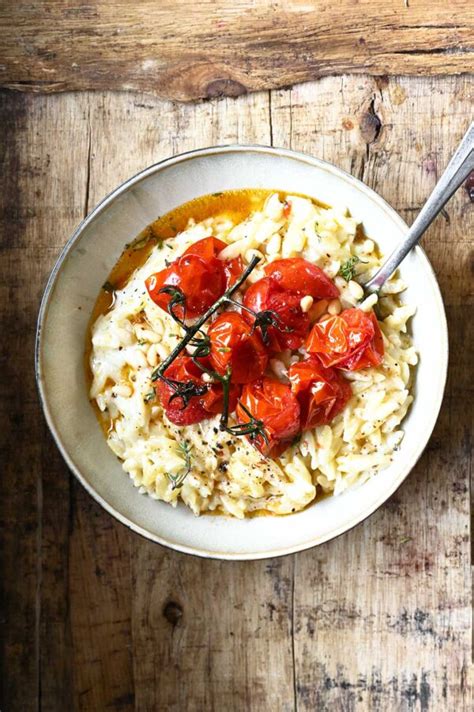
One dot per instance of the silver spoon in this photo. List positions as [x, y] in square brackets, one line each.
[457, 170]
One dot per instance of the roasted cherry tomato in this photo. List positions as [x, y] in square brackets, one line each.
[322, 392]
[211, 247]
[201, 280]
[166, 278]
[277, 408]
[207, 248]
[213, 400]
[352, 340]
[294, 324]
[233, 269]
[182, 369]
[199, 407]
[199, 274]
[233, 345]
[301, 277]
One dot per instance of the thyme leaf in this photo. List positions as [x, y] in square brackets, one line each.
[141, 241]
[347, 269]
[149, 396]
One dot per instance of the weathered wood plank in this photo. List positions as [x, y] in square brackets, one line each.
[383, 614]
[100, 594]
[187, 50]
[42, 199]
[99, 618]
[203, 631]
[52, 625]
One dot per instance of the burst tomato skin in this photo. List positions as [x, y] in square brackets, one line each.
[182, 369]
[199, 274]
[158, 280]
[206, 248]
[322, 392]
[302, 277]
[213, 400]
[233, 269]
[210, 247]
[277, 407]
[201, 281]
[199, 407]
[351, 340]
[233, 345]
[266, 294]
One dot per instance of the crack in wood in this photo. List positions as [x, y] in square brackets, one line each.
[88, 164]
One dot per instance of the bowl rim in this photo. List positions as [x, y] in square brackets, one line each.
[47, 298]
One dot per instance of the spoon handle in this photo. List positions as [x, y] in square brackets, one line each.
[457, 170]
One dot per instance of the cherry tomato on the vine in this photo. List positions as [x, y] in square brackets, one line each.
[234, 346]
[293, 323]
[199, 407]
[322, 392]
[277, 408]
[201, 280]
[199, 274]
[212, 247]
[206, 248]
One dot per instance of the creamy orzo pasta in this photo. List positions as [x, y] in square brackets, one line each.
[225, 472]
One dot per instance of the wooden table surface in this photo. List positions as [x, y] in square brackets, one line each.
[96, 618]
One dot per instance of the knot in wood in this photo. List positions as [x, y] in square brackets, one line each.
[370, 124]
[173, 612]
[224, 87]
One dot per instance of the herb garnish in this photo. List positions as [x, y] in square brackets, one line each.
[141, 241]
[347, 269]
[149, 396]
[195, 337]
[193, 330]
[178, 479]
[177, 300]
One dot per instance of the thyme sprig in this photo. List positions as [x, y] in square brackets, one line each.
[178, 479]
[191, 331]
[194, 336]
[254, 428]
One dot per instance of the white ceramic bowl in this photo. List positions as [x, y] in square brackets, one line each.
[75, 283]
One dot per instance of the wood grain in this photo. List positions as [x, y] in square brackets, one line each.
[97, 618]
[186, 50]
[406, 615]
